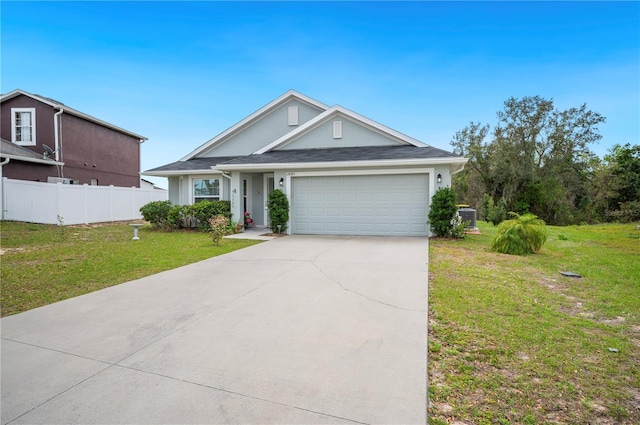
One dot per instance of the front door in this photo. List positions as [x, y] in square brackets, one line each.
[269, 185]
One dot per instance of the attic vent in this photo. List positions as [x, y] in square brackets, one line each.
[293, 115]
[337, 129]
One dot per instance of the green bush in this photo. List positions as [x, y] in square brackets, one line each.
[156, 213]
[278, 206]
[487, 204]
[198, 214]
[442, 212]
[497, 213]
[525, 234]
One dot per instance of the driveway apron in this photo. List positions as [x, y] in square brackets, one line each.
[300, 329]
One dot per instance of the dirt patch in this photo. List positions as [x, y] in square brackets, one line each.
[11, 250]
[274, 235]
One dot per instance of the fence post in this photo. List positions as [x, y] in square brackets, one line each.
[85, 192]
[3, 196]
[111, 202]
[59, 203]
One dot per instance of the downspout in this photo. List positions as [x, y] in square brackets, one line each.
[459, 169]
[57, 138]
[2, 195]
[229, 177]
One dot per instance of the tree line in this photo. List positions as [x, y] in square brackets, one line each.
[536, 159]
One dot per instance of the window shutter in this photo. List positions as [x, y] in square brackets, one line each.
[293, 115]
[337, 129]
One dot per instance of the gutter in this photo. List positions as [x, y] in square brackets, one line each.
[341, 164]
[459, 169]
[27, 159]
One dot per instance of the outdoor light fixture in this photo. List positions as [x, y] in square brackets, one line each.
[439, 178]
[281, 182]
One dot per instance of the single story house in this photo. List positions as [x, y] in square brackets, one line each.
[343, 173]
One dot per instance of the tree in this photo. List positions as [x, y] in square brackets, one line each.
[443, 210]
[535, 160]
[617, 184]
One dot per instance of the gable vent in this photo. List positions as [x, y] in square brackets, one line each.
[293, 115]
[337, 129]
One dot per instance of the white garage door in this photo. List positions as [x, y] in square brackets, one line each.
[393, 205]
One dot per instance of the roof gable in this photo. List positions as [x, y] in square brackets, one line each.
[290, 97]
[59, 105]
[388, 135]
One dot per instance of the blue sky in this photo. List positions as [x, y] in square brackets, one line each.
[181, 72]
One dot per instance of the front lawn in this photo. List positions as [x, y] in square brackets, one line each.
[42, 264]
[513, 341]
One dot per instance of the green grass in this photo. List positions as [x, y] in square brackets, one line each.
[43, 264]
[513, 341]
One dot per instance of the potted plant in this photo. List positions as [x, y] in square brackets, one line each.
[248, 221]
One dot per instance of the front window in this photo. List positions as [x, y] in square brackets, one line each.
[23, 126]
[206, 190]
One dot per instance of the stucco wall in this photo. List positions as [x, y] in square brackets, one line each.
[264, 131]
[353, 135]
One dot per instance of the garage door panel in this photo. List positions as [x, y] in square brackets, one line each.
[360, 205]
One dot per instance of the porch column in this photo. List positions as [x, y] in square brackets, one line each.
[236, 197]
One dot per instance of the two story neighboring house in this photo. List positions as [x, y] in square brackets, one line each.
[343, 173]
[45, 140]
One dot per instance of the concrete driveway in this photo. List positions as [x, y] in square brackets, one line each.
[301, 329]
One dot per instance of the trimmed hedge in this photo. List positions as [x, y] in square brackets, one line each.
[162, 214]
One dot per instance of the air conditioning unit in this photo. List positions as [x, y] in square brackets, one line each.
[62, 180]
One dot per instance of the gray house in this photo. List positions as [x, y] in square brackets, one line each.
[343, 173]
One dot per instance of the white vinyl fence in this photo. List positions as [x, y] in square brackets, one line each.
[57, 203]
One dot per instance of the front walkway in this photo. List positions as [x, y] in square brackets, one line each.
[300, 329]
[255, 233]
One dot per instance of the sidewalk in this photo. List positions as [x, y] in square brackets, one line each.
[254, 233]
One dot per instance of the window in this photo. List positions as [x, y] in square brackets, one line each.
[337, 129]
[206, 190]
[23, 126]
[293, 115]
[94, 182]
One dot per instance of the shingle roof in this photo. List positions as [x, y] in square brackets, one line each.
[20, 153]
[350, 154]
[193, 164]
[365, 153]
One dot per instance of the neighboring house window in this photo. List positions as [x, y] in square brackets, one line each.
[206, 190]
[293, 115]
[337, 129]
[23, 126]
[94, 182]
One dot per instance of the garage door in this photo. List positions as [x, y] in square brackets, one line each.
[388, 205]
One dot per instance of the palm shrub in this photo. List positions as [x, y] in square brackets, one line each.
[524, 234]
[442, 212]
[278, 206]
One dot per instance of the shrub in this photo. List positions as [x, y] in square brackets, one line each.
[198, 214]
[525, 234]
[278, 206]
[156, 213]
[487, 204]
[443, 210]
[218, 226]
[458, 227]
[497, 213]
